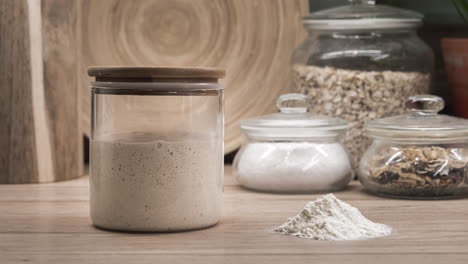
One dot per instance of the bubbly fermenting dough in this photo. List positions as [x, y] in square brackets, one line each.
[142, 182]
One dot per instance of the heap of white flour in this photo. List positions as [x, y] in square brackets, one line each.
[329, 218]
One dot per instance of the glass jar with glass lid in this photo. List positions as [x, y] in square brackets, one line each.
[420, 155]
[358, 61]
[293, 151]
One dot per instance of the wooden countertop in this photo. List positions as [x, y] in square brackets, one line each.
[48, 223]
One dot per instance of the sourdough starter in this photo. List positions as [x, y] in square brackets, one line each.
[142, 182]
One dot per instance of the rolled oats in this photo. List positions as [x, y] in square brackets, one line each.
[357, 96]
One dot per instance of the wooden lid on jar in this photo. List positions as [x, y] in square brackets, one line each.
[155, 74]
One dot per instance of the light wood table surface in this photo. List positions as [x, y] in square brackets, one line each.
[49, 223]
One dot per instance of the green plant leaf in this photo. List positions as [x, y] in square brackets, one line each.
[462, 7]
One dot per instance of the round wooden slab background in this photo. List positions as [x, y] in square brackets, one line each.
[253, 40]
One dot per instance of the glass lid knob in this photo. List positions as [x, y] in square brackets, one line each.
[292, 103]
[360, 2]
[425, 104]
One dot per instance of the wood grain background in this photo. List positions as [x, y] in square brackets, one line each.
[61, 56]
[40, 135]
[46, 46]
[17, 141]
[252, 39]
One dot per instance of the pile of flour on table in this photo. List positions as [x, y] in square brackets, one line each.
[329, 218]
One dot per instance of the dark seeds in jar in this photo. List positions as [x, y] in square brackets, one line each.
[387, 177]
[419, 169]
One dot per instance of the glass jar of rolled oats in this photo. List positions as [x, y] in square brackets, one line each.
[420, 155]
[357, 63]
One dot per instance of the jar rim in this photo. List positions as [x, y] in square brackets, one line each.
[429, 136]
[157, 88]
[363, 14]
[290, 134]
[361, 24]
[155, 74]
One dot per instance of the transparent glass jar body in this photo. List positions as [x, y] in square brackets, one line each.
[399, 50]
[156, 155]
[415, 171]
[293, 165]
[360, 75]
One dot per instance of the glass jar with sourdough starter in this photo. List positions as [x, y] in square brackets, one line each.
[293, 151]
[358, 61]
[420, 155]
[156, 148]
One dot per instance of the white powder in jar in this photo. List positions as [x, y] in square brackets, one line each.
[329, 218]
[293, 166]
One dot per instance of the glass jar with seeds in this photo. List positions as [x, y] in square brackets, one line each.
[421, 155]
[357, 63]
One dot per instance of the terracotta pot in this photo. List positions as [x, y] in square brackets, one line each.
[455, 52]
